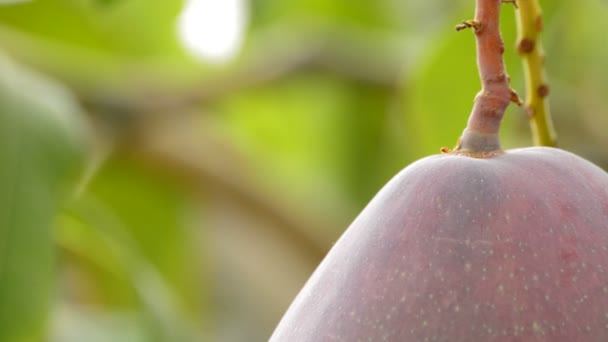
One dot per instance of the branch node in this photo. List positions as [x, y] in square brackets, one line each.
[515, 98]
[543, 90]
[526, 46]
[538, 23]
[530, 112]
[474, 24]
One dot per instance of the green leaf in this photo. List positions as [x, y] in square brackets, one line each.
[90, 43]
[128, 236]
[10, 2]
[106, 3]
[38, 146]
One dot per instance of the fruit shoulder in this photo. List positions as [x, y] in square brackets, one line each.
[460, 249]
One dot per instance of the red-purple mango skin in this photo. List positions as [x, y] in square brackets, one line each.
[453, 248]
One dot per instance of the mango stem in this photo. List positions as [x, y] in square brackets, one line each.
[482, 132]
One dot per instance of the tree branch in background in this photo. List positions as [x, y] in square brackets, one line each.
[337, 53]
[529, 26]
[158, 127]
[177, 148]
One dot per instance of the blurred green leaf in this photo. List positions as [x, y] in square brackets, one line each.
[292, 125]
[38, 146]
[84, 23]
[94, 45]
[440, 95]
[107, 2]
[137, 250]
[361, 13]
[155, 216]
[9, 2]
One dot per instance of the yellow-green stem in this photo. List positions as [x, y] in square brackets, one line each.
[529, 26]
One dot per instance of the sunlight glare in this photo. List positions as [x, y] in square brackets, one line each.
[213, 29]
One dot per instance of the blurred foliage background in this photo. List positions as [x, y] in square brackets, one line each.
[175, 172]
